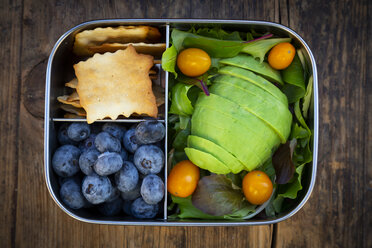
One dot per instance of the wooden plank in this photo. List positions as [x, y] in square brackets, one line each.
[367, 203]
[10, 43]
[337, 214]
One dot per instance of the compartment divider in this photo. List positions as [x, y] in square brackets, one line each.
[167, 35]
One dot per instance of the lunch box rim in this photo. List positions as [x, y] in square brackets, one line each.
[167, 23]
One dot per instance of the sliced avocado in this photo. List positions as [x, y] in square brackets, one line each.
[245, 145]
[206, 161]
[255, 100]
[255, 79]
[217, 151]
[250, 63]
[245, 118]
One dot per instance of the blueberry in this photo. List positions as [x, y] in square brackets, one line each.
[65, 160]
[76, 178]
[111, 208]
[129, 141]
[126, 207]
[87, 160]
[87, 143]
[78, 131]
[71, 195]
[140, 209]
[152, 189]
[115, 193]
[132, 194]
[149, 132]
[105, 142]
[96, 189]
[114, 129]
[149, 159]
[127, 178]
[62, 136]
[108, 163]
[124, 154]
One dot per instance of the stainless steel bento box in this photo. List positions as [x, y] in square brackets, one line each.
[60, 69]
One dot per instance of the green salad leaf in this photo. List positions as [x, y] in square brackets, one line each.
[179, 142]
[218, 33]
[293, 75]
[299, 116]
[307, 98]
[169, 59]
[181, 104]
[291, 189]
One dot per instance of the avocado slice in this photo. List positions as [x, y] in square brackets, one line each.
[217, 151]
[227, 133]
[255, 79]
[256, 101]
[206, 161]
[240, 115]
[250, 63]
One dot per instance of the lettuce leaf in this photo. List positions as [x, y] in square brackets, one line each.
[169, 59]
[299, 116]
[283, 162]
[291, 189]
[307, 98]
[293, 75]
[181, 104]
[218, 33]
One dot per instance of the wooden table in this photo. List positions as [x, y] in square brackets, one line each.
[338, 212]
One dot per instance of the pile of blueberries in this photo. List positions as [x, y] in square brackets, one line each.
[111, 168]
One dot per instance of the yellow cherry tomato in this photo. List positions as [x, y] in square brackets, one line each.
[193, 62]
[281, 55]
[257, 187]
[183, 179]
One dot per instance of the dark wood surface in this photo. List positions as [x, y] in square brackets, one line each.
[336, 215]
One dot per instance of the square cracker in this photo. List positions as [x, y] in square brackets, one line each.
[121, 34]
[114, 84]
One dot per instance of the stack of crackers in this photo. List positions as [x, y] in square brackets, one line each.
[116, 81]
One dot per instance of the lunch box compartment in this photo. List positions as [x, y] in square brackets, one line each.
[60, 71]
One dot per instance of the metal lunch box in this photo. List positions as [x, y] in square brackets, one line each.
[60, 70]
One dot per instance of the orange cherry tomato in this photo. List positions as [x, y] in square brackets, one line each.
[281, 55]
[193, 62]
[183, 179]
[257, 187]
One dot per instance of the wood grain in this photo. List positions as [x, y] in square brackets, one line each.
[10, 41]
[337, 214]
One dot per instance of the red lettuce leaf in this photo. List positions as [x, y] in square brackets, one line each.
[216, 195]
[283, 163]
